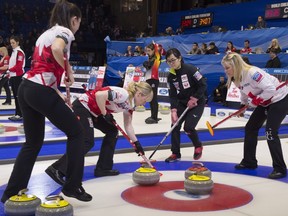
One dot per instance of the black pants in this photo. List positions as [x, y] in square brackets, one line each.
[38, 102]
[274, 115]
[89, 122]
[4, 82]
[154, 103]
[15, 83]
[191, 119]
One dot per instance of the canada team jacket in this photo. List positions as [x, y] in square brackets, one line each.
[257, 83]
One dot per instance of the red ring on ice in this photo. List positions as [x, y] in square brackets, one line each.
[222, 197]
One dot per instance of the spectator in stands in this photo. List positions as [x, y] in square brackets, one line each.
[169, 31]
[4, 77]
[264, 92]
[246, 59]
[274, 45]
[246, 49]
[259, 50]
[161, 50]
[179, 30]
[274, 61]
[212, 49]
[16, 71]
[195, 49]
[261, 23]
[129, 51]
[220, 92]
[138, 51]
[230, 47]
[152, 77]
[203, 48]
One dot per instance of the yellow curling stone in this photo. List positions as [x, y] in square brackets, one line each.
[146, 176]
[198, 185]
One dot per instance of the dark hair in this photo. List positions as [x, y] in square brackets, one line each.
[175, 52]
[150, 46]
[246, 59]
[232, 45]
[247, 41]
[195, 43]
[16, 38]
[62, 12]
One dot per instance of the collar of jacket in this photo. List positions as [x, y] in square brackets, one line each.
[172, 71]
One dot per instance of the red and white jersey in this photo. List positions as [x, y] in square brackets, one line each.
[45, 70]
[256, 82]
[17, 62]
[118, 103]
[4, 62]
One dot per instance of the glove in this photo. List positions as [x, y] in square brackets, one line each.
[254, 102]
[174, 116]
[138, 148]
[192, 102]
[109, 118]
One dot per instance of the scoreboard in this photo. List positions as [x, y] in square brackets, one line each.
[197, 20]
[276, 11]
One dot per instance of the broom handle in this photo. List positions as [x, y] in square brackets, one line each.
[233, 114]
[168, 133]
[245, 107]
[130, 141]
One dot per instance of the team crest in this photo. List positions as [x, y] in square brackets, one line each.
[186, 85]
[257, 76]
[197, 75]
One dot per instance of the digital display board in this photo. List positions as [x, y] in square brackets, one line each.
[197, 20]
[276, 11]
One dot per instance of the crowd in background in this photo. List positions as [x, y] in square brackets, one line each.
[29, 21]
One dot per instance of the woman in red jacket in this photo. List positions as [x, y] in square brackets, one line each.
[4, 77]
[16, 70]
[230, 47]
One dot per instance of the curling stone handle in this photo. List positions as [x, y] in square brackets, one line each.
[23, 191]
[198, 163]
[54, 197]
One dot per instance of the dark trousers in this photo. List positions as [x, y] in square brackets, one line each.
[15, 83]
[89, 122]
[38, 102]
[4, 82]
[274, 115]
[154, 103]
[191, 120]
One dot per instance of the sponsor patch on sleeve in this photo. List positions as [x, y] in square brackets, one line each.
[257, 76]
[20, 58]
[197, 75]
